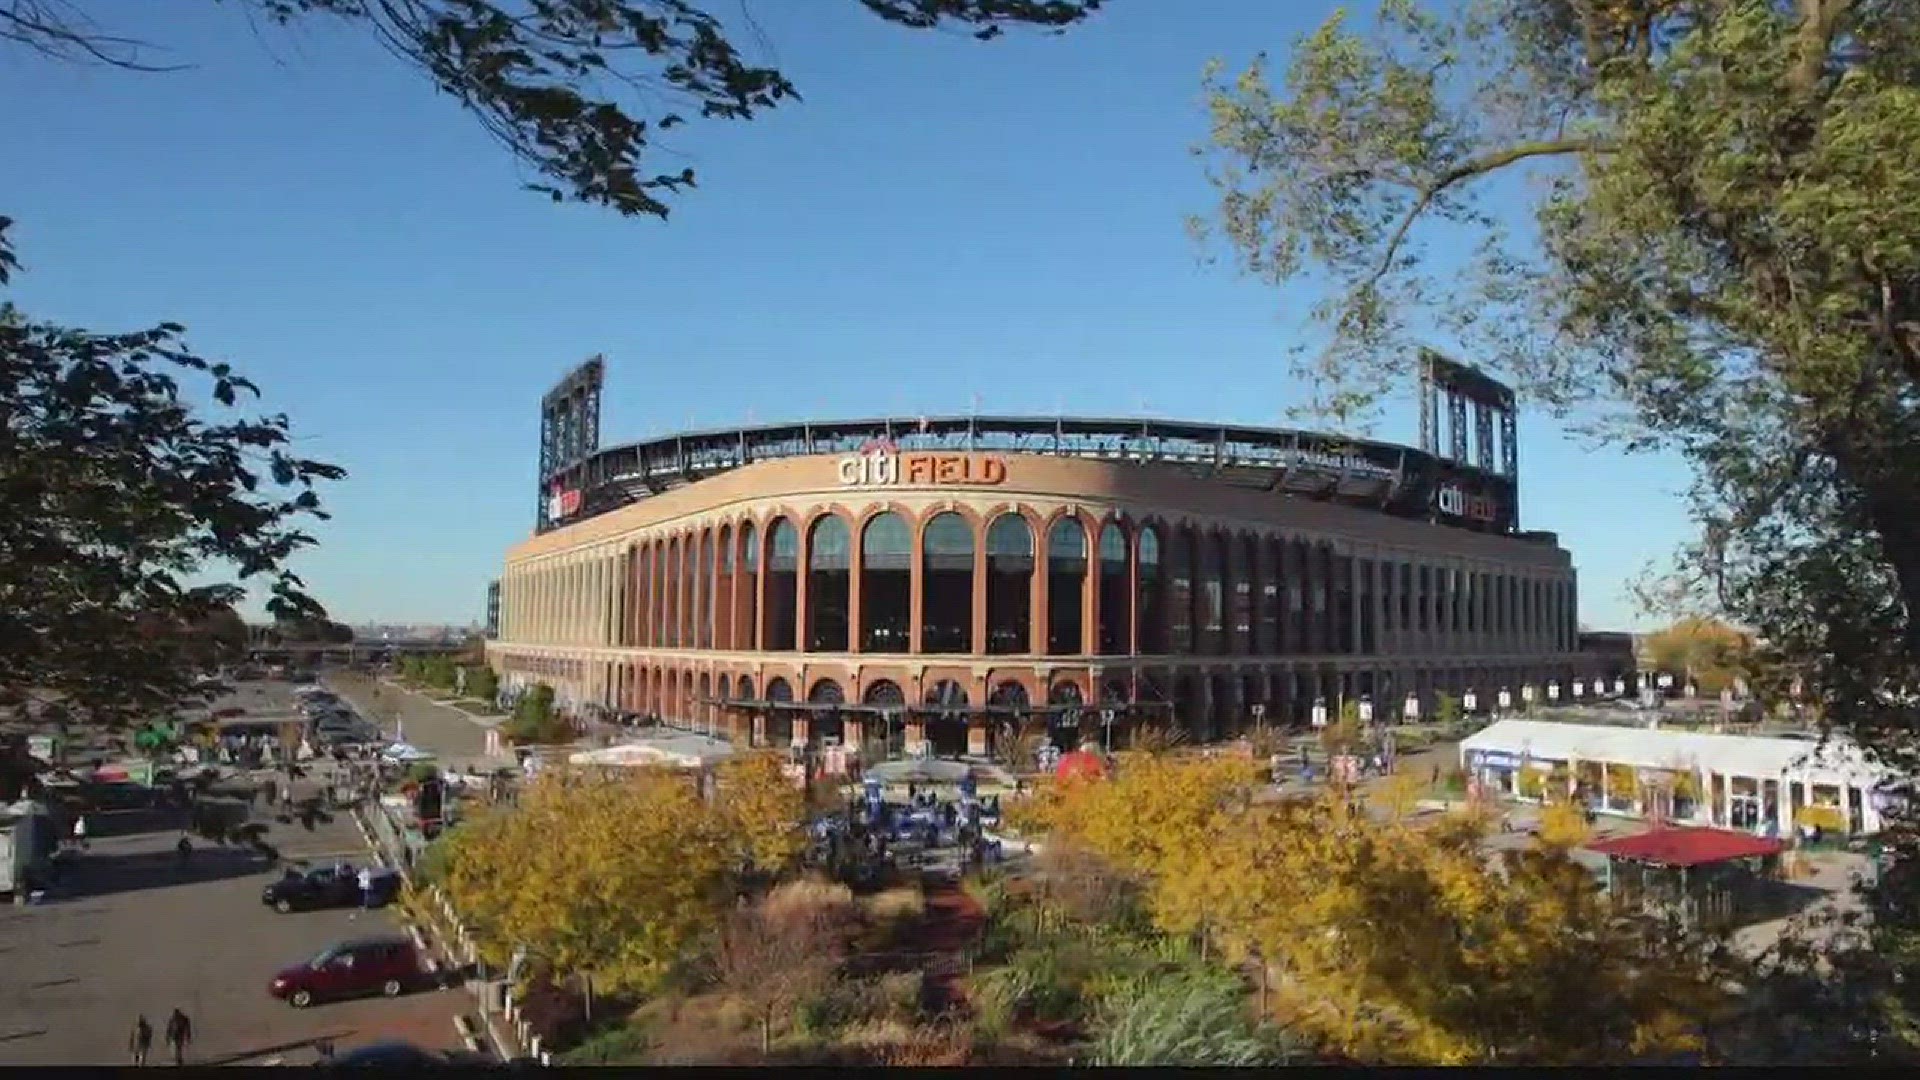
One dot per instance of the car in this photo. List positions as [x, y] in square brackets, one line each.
[384, 965]
[328, 887]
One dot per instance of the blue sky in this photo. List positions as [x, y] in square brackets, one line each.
[938, 218]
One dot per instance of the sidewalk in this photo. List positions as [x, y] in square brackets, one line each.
[453, 735]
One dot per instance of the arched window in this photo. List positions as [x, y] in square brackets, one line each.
[778, 689]
[829, 585]
[747, 592]
[884, 693]
[886, 584]
[724, 589]
[1009, 585]
[1010, 696]
[1066, 587]
[703, 593]
[1180, 591]
[744, 687]
[671, 580]
[1210, 580]
[946, 585]
[703, 709]
[783, 585]
[1150, 610]
[1243, 578]
[689, 590]
[1116, 595]
[828, 726]
[1267, 615]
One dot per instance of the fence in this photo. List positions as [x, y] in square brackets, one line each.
[399, 846]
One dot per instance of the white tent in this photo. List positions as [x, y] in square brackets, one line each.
[1835, 761]
[405, 752]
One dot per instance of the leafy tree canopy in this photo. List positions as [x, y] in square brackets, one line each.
[578, 90]
[1723, 259]
[116, 494]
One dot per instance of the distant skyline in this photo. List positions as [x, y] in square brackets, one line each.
[940, 223]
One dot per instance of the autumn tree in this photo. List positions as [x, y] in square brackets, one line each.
[1396, 940]
[132, 517]
[577, 90]
[621, 877]
[765, 810]
[785, 947]
[1710, 653]
[1723, 260]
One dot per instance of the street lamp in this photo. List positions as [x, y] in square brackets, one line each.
[1319, 712]
[1366, 710]
[1106, 727]
[1469, 702]
[1505, 700]
[1526, 698]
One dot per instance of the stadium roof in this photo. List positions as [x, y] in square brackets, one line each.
[1834, 761]
[1690, 846]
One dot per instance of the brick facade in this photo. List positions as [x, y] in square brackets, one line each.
[1062, 580]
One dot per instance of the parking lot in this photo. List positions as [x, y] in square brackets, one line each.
[130, 931]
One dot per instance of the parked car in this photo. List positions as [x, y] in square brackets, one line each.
[328, 887]
[384, 965]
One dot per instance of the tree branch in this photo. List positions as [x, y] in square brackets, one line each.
[1819, 20]
[1468, 170]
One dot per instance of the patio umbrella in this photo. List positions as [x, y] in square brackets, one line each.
[929, 771]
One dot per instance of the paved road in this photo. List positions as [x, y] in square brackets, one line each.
[455, 737]
[136, 933]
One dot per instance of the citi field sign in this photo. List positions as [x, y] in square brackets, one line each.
[883, 466]
[1454, 502]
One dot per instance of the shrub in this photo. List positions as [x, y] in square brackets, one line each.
[1191, 1020]
[896, 904]
[626, 1044]
[557, 1014]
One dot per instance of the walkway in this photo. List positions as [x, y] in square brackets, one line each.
[455, 737]
[952, 923]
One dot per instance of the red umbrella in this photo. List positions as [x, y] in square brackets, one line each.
[1080, 763]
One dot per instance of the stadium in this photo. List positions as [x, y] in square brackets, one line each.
[925, 584]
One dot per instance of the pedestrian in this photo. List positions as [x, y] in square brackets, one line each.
[179, 1036]
[366, 888]
[80, 831]
[185, 848]
[141, 1040]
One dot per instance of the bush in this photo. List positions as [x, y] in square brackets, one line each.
[896, 904]
[557, 1014]
[422, 771]
[1187, 1021]
[627, 1044]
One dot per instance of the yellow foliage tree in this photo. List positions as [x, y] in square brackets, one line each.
[1395, 941]
[1563, 825]
[765, 811]
[618, 877]
[1710, 652]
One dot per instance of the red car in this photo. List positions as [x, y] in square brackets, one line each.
[384, 965]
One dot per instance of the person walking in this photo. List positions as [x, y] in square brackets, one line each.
[366, 888]
[185, 849]
[179, 1036]
[80, 831]
[141, 1040]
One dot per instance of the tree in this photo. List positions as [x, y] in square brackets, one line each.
[482, 683]
[766, 812]
[575, 89]
[116, 495]
[1397, 940]
[1710, 653]
[534, 720]
[1724, 261]
[785, 947]
[620, 877]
